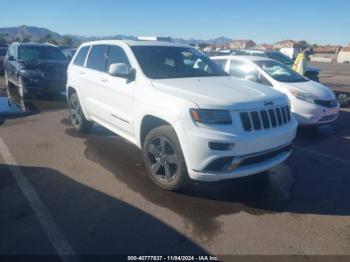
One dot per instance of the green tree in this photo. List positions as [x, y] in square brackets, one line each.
[48, 39]
[26, 39]
[66, 41]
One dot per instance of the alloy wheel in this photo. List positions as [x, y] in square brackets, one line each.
[6, 80]
[75, 112]
[162, 159]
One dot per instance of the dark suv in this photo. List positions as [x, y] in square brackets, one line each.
[3, 50]
[36, 68]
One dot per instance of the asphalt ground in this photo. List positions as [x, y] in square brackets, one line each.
[65, 193]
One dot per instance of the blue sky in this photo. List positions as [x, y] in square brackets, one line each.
[317, 21]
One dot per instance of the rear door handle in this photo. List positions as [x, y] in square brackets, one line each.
[82, 73]
[103, 79]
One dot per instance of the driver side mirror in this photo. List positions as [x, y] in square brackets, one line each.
[11, 58]
[121, 70]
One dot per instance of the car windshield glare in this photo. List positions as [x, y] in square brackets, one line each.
[162, 62]
[280, 72]
[33, 53]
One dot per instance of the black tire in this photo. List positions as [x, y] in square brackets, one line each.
[164, 160]
[76, 115]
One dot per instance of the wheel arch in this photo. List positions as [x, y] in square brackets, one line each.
[148, 123]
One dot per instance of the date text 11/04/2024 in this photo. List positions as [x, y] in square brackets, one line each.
[173, 258]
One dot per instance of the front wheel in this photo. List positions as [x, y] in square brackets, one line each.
[21, 88]
[76, 114]
[164, 159]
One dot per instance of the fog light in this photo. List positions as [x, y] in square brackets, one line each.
[221, 146]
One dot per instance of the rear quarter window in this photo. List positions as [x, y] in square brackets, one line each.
[81, 56]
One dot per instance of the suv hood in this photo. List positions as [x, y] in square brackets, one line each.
[316, 89]
[221, 92]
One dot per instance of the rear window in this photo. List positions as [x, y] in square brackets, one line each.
[97, 58]
[81, 56]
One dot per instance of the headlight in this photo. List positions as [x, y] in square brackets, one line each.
[207, 116]
[31, 73]
[302, 95]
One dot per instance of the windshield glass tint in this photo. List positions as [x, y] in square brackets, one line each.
[29, 53]
[280, 57]
[161, 62]
[3, 51]
[280, 72]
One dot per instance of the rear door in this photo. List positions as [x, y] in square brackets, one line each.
[92, 82]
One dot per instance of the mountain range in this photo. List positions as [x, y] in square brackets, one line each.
[37, 34]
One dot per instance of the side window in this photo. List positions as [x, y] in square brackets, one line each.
[116, 55]
[221, 63]
[81, 56]
[98, 58]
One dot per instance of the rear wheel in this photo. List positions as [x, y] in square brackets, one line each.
[76, 114]
[164, 159]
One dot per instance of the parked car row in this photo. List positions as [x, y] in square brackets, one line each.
[194, 118]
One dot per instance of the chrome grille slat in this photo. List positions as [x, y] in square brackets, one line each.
[263, 119]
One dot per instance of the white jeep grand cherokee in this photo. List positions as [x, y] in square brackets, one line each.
[189, 117]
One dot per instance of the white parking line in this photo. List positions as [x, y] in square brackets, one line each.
[56, 237]
[323, 155]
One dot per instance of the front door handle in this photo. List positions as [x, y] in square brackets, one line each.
[82, 73]
[103, 79]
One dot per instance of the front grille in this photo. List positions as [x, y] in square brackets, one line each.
[265, 119]
[327, 103]
[328, 118]
[54, 72]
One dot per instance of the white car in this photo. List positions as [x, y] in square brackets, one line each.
[190, 119]
[312, 103]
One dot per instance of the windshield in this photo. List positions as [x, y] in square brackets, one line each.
[29, 53]
[280, 72]
[161, 62]
[3, 51]
[279, 57]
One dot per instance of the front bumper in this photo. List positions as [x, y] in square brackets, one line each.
[199, 156]
[42, 86]
[312, 114]
[269, 159]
